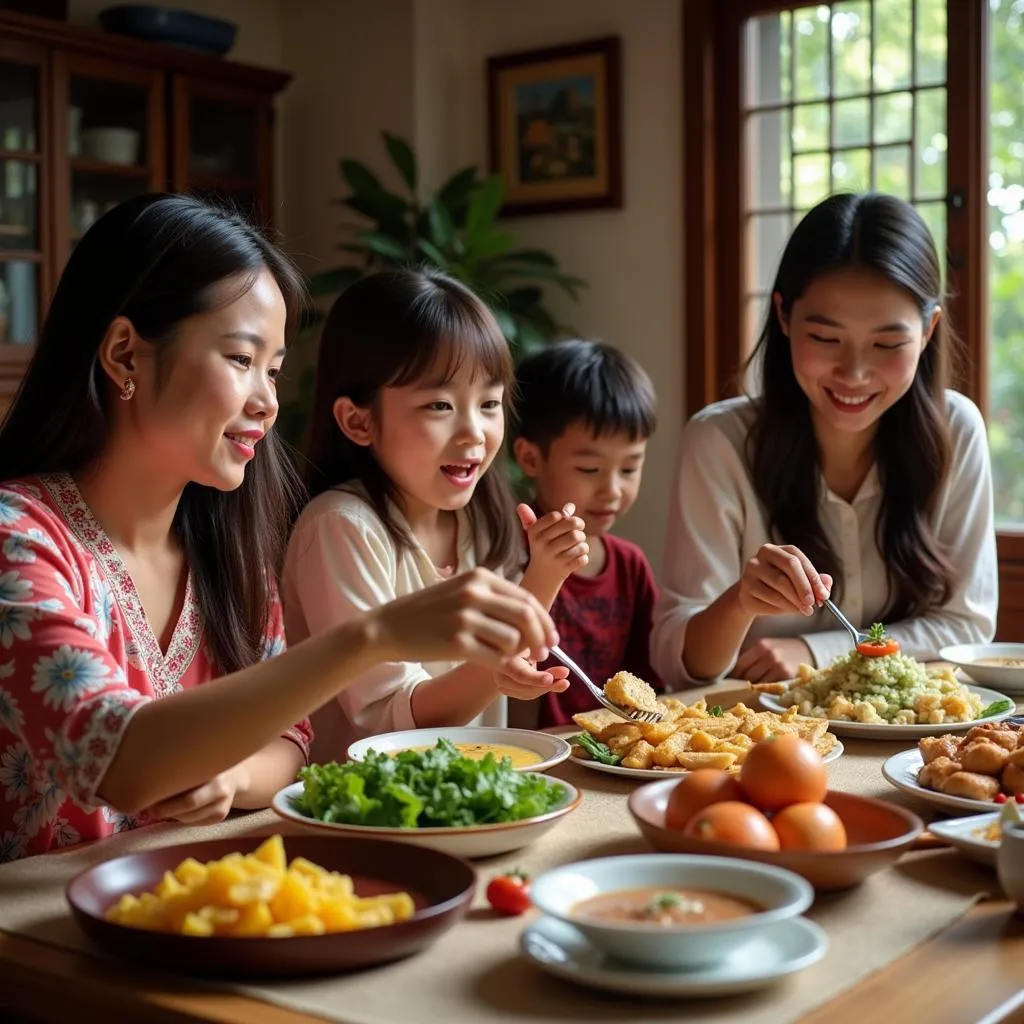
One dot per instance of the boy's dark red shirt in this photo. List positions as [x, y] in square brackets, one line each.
[604, 625]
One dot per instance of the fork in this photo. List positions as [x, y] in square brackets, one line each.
[858, 636]
[632, 714]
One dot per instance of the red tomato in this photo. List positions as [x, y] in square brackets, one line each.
[695, 791]
[810, 827]
[871, 649]
[783, 770]
[509, 894]
[736, 823]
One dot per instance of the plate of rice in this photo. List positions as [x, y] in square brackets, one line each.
[891, 697]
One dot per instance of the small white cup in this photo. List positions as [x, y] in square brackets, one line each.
[1010, 863]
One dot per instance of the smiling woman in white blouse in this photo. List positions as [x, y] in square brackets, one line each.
[854, 471]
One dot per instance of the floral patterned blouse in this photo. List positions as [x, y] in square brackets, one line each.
[77, 659]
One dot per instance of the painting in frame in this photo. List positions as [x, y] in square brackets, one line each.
[554, 127]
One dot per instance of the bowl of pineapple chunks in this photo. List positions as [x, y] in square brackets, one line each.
[252, 907]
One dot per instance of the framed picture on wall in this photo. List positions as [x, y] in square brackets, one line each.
[555, 127]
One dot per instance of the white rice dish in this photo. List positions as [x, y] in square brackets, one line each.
[895, 689]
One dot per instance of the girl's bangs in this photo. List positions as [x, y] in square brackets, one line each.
[447, 344]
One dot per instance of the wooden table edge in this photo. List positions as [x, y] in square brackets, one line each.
[966, 972]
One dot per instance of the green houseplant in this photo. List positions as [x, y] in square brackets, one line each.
[455, 229]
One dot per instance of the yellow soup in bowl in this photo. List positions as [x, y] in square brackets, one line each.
[519, 756]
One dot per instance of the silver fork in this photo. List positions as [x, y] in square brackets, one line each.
[632, 714]
[856, 634]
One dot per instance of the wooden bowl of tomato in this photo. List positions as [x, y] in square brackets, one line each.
[779, 811]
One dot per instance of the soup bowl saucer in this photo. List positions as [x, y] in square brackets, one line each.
[772, 894]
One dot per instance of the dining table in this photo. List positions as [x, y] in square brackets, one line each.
[931, 938]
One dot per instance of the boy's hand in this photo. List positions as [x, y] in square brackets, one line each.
[558, 547]
[520, 678]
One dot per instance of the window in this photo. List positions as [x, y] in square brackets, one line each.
[787, 102]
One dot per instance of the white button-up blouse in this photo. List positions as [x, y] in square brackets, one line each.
[717, 523]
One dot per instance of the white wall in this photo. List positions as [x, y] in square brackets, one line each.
[632, 257]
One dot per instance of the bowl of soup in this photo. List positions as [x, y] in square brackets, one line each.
[999, 666]
[669, 911]
[528, 751]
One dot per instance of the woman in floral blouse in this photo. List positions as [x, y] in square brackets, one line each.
[143, 514]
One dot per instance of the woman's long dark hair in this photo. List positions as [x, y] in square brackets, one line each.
[157, 260]
[391, 329]
[912, 447]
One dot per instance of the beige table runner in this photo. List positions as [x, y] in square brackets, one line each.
[474, 974]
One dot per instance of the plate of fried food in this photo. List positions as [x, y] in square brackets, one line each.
[887, 697]
[688, 737]
[973, 772]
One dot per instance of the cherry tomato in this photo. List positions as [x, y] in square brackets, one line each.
[809, 827]
[1000, 798]
[509, 894]
[695, 791]
[783, 770]
[736, 823]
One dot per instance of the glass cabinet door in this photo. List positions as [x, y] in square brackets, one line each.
[114, 140]
[21, 221]
[223, 145]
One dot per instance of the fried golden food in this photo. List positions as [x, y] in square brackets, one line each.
[980, 765]
[629, 691]
[697, 735]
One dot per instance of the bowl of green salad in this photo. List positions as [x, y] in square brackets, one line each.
[439, 797]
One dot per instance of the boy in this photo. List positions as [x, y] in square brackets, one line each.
[584, 413]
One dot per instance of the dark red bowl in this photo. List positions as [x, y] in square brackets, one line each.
[442, 887]
[877, 833]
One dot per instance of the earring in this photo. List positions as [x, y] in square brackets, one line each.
[127, 390]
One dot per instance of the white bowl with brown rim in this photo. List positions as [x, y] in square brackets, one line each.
[608, 901]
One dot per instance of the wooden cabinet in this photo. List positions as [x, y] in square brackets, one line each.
[89, 119]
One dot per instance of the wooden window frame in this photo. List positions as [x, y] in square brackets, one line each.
[714, 242]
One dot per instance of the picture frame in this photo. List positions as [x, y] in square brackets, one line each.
[555, 127]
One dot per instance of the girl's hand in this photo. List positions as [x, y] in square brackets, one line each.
[771, 659]
[477, 617]
[780, 580]
[558, 547]
[521, 679]
[206, 804]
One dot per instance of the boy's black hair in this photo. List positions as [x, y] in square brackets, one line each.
[582, 382]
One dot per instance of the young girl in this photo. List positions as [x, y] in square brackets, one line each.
[409, 414]
[143, 511]
[855, 472]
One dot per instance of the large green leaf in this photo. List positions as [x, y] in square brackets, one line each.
[359, 177]
[528, 256]
[454, 193]
[484, 204]
[506, 321]
[442, 229]
[567, 282]
[432, 253]
[384, 245]
[529, 338]
[330, 282]
[489, 243]
[386, 209]
[402, 157]
[522, 298]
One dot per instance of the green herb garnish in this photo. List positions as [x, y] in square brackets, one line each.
[666, 901]
[424, 789]
[715, 711]
[997, 707]
[596, 749]
[876, 634]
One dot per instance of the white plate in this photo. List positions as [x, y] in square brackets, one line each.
[960, 833]
[964, 655]
[776, 951]
[901, 770]
[661, 773]
[550, 749]
[471, 841]
[873, 731]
